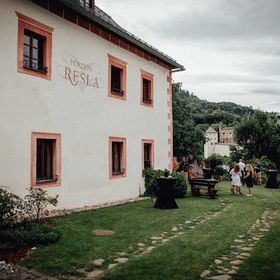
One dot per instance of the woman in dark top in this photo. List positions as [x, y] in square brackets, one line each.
[249, 174]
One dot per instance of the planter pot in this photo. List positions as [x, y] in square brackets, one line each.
[272, 179]
[208, 173]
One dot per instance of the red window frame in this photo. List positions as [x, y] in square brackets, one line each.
[42, 30]
[122, 172]
[151, 156]
[56, 159]
[114, 62]
[147, 88]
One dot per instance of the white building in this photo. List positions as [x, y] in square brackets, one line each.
[218, 143]
[85, 105]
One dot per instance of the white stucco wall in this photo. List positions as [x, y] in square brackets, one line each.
[209, 146]
[84, 118]
[222, 149]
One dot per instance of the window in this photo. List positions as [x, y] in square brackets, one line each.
[34, 47]
[147, 153]
[117, 157]
[33, 51]
[147, 88]
[117, 78]
[46, 159]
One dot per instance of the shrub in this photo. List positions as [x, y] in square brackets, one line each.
[10, 208]
[150, 181]
[36, 203]
[267, 164]
[29, 234]
[181, 184]
[219, 171]
[151, 184]
[215, 160]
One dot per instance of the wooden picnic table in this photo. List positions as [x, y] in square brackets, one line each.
[198, 184]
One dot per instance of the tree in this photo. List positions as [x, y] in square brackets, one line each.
[188, 139]
[259, 135]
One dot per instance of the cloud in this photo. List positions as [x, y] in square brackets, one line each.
[218, 20]
[269, 91]
[231, 78]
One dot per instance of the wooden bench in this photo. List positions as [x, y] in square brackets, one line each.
[198, 184]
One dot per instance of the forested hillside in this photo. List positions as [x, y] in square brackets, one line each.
[205, 112]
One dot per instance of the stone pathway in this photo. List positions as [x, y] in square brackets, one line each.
[225, 266]
[147, 246]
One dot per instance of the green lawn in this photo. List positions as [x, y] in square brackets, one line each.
[183, 257]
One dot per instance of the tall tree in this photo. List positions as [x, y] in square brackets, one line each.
[188, 139]
[259, 135]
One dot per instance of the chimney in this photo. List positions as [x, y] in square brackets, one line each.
[91, 4]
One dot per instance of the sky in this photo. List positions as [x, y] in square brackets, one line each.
[230, 48]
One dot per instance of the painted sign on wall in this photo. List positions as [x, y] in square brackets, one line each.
[80, 74]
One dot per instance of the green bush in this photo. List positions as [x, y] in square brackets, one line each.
[29, 234]
[181, 184]
[150, 181]
[215, 160]
[36, 202]
[219, 171]
[151, 184]
[10, 208]
[267, 164]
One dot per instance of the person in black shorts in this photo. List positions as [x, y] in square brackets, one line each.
[248, 178]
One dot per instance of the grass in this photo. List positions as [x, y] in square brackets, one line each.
[184, 257]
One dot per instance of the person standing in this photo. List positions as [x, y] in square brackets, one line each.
[235, 179]
[258, 173]
[242, 170]
[249, 173]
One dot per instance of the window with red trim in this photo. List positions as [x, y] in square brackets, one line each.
[148, 153]
[46, 159]
[34, 47]
[147, 88]
[117, 157]
[117, 78]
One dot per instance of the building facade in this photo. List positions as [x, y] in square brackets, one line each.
[218, 142]
[226, 135]
[85, 105]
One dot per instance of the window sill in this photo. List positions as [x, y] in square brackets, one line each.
[118, 172]
[43, 71]
[122, 93]
[116, 175]
[118, 95]
[46, 181]
[150, 101]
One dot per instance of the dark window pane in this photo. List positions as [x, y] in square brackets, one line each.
[116, 157]
[26, 51]
[35, 53]
[26, 39]
[35, 43]
[116, 79]
[44, 160]
[147, 155]
[146, 90]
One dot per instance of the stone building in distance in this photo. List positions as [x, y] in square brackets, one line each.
[218, 142]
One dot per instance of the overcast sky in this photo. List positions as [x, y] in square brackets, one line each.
[230, 48]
